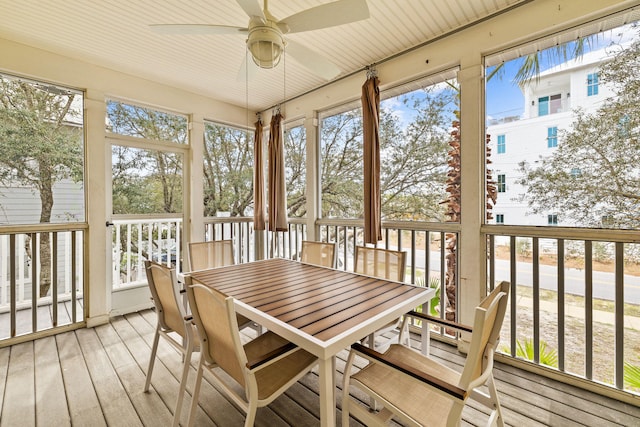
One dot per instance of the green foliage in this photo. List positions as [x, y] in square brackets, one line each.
[295, 145]
[413, 151]
[40, 140]
[434, 304]
[632, 375]
[341, 165]
[228, 170]
[146, 181]
[605, 146]
[548, 356]
[141, 122]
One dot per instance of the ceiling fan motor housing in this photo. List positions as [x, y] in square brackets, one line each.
[266, 45]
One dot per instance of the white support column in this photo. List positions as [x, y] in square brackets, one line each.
[471, 247]
[194, 185]
[98, 238]
[313, 174]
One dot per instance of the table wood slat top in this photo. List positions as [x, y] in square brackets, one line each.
[321, 302]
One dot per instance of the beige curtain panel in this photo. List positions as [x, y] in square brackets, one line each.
[277, 191]
[258, 179]
[371, 142]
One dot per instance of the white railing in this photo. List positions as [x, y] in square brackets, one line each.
[575, 299]
[136, 240]
[35, 259]
[425, 243]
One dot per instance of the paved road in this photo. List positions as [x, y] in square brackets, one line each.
[603, 283]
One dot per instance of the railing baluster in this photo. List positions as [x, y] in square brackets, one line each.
[561, 311]
[588, 307]
[54, 277]
[619, 316]
[514, 299]
[74, 266]
[443, 279]
[536, 299]
[492, 262]
[413, 258]
[12, 281]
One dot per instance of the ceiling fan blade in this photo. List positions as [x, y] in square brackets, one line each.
[327, 15]
[252, 8]
[317, 64]
[196, 29]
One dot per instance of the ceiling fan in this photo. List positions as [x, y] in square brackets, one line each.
[265, 33]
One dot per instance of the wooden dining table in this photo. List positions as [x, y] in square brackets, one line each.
[321, 310]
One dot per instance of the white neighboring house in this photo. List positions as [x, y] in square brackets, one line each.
[548, 108]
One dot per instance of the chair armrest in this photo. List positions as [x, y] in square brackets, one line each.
[273, 354]
[439, 321]
[432, 381]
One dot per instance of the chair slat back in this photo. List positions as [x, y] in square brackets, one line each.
[318, 253]
[216, 253]
[164, 290]
[486, 332]
[215, 317]
[381, 263]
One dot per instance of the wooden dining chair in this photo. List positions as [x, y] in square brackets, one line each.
[384, 264]
[263, 368]
[212, 254]
[421, 391]
[318, 253]
[171, 321]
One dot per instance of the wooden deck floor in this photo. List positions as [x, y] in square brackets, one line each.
[94, 377]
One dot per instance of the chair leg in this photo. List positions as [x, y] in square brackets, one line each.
[251, 414]
[195, 395]
[496, 413]
[152, 359]
[183, 383]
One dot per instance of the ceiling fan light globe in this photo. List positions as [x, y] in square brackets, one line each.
[266, 46]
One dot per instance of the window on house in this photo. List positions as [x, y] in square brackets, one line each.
[502, 144]
[502, 183]
[499, 218]
[592, 84]
[552, 137]
[549, 105]
[552, 219]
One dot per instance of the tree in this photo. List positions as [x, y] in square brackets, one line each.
[592, 178]
[295, 143]
[341, 165]
[228, 171]
[413, 151]
[41, 144]
[146, 180]
[414, 157]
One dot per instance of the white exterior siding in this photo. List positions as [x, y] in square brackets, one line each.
[21, 205]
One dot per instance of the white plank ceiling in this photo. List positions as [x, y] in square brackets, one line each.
[116, 34]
